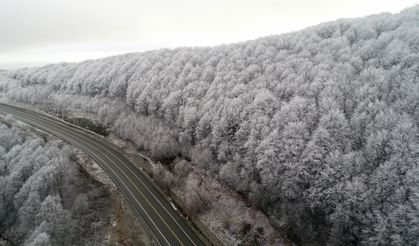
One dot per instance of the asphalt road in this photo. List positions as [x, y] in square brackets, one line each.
[167, 226]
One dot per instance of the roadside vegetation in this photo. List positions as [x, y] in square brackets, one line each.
[47, 198]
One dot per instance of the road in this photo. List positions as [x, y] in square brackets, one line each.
[162, 220]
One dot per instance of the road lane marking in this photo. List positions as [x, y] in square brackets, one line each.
[91, 140]
[86, 150]
[142, 194]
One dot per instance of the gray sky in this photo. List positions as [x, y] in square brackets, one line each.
[36, 32]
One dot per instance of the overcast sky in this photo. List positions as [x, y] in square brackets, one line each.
[36, 32]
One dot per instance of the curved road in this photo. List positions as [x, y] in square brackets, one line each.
[167, 226]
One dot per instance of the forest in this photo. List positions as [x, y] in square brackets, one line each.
[44, 198]
[318, 128]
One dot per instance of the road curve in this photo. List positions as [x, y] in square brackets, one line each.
[166, 225]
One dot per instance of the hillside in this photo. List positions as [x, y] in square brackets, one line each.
[318, 128]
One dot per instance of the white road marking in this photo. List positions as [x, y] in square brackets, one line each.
[80, 131]
[81, 146]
